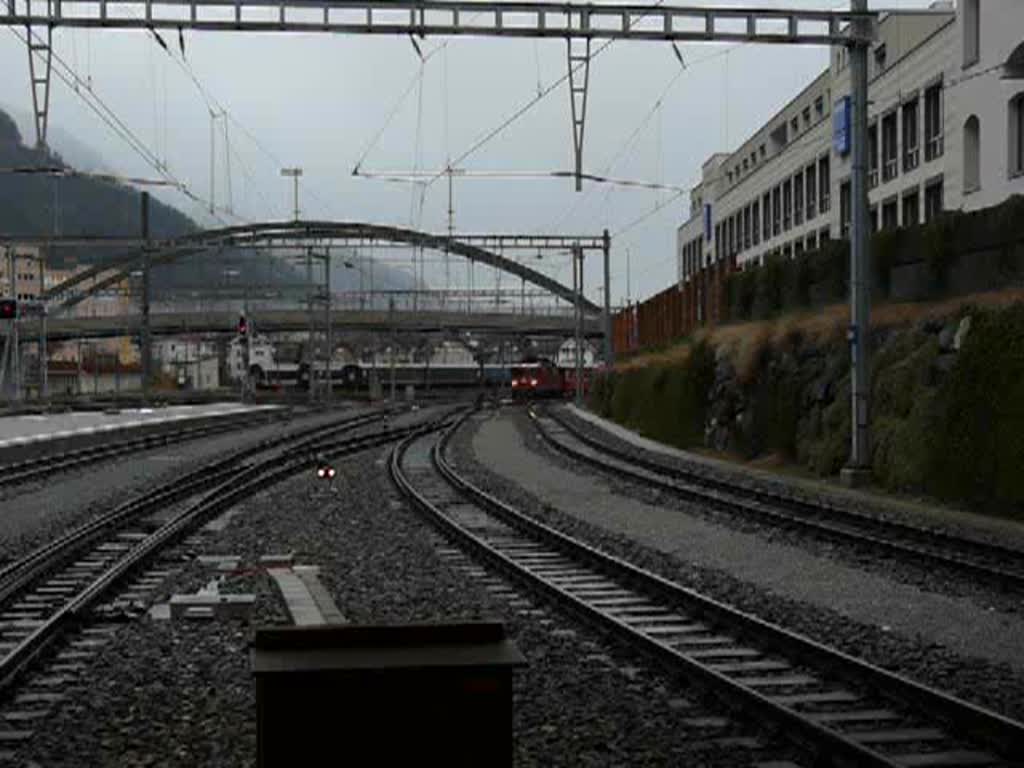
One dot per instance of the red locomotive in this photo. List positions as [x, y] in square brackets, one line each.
[537, 377]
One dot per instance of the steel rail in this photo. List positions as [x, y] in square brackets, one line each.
[847, 526]
[958, 716]
[17, 575]
[30, 469]
[242, 483]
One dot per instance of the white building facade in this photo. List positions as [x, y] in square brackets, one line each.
[946, 132]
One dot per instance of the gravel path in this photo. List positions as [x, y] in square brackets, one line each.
[947, 642]
[921, 512]
[36, 512]
[946, 583]
[181, 694]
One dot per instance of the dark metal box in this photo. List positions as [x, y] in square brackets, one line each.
[422, 694]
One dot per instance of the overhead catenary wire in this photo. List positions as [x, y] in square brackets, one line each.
[66, 74]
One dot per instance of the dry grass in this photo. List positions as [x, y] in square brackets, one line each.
[745, 342]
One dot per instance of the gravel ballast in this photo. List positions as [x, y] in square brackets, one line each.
[36, 512]
[181, 694]
[926, 576]
[950, 643]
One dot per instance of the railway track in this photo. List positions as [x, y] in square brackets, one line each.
[33, 469]
[840, 709]
[1002, 567]
[54, 590]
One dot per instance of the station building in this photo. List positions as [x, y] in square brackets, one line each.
[946, 117]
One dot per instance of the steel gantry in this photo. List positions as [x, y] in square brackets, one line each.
[578, 24]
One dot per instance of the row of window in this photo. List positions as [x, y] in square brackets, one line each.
[1015, 150]
[690, 258]
[796, 247]
[909, 201]
[907, 117]
[797, 199]
[781, 137]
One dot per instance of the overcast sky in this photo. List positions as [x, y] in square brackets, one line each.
[320, 101]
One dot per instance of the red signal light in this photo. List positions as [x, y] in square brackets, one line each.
[243, 326]
[8, 309]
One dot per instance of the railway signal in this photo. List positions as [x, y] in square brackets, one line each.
[243, 326]
[8, 309]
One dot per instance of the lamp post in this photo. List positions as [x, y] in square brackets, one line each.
[294, 174]
[247, 341]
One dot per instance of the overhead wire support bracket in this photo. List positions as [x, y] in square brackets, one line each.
[40, 60]
[578, 50]
[613, 21]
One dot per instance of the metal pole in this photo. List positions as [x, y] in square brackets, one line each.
[859, 468]
[247, 345]
[311, 357]
[327, 323]
[295, 195]
[394, 343]
[146, 340]
[577, 280]
[629, 289]
[609, 352]
[16, 345]
[43, 357]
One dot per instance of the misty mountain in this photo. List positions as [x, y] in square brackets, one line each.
[34, 205]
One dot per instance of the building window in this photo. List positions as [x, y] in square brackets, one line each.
[807, 117]
[794, 125]
[844, 210]
[755, 218]
[798, 249]
[890, 142]
[812, 192]
[746, 227]
[873, 156]
[824, 185]
[766, 207]
[972, 155]
[880, 54]
[933, 123]
[873, 218]
[1017, 135]
[812, 242]
[718, 241]
[911, 137]
[819, 106]
[933, 200]
[972, 31]
[763, 151]
[890, 214]
[776, 212]
[787, 205]
[731, 247]
[798, 199]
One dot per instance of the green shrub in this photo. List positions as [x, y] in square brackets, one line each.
[978, 432]
[666, 402]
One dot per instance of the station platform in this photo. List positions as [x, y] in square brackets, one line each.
[30, 436]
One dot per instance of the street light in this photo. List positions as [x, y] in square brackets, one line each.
[294, 174]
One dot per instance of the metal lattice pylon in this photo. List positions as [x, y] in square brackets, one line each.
[39, 39]
[579, 80]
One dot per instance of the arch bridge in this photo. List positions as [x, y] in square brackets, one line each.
[487, 249]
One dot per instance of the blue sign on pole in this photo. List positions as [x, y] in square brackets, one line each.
[707, 222]
[841, 126]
